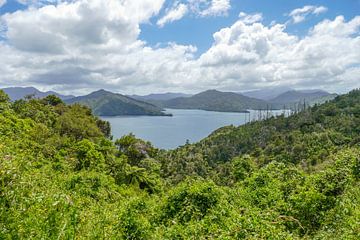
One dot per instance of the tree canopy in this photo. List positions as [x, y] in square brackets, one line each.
[62, 177]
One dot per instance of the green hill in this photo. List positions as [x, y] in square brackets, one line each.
[104, 103]
[213, 100]
[286, 139]
[294, 97]
[159, 96]
[61, 177]
[322, 99]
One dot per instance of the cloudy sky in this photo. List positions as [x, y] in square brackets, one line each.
[143, 46]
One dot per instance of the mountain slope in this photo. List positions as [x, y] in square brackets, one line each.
[106, 103]
[16, 93]
[305, 167]
[213, 100]
[307, 138]
[294, 96]
[159, 96]
[322, 99]
[266, 94]
[61, 177]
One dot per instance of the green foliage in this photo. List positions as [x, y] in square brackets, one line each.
[87, 155]
[61, 177]
[135, 149]
[52, 100]
[4, 98]
[78, 123]
[190, 201]
[104, 127]
[132, 224]
[242, 167]
[4, 101]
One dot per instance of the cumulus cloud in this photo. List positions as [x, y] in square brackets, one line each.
[252, 18]
[81, 46]
[213, 8]
[175, 13]
[198, 8]
[39, 3]
[338, 27]
[299, 14]
[260, 55]
[65, 27]
[2, 3]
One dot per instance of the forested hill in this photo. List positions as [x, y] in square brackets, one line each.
[105, 103]
[292, 97]
[159, 96]
[305, 139]
[16, 93]
[213, 100]
[282, 178]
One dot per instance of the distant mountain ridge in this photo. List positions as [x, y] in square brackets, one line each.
[112, 104]
[16, 93]
[213, 100]
[105, 103]
[294, 96]
[266, 93]
[160, 96]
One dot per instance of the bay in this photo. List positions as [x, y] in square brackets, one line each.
[171, 132]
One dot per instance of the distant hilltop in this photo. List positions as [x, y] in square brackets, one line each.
[16, 93]
[106, 103]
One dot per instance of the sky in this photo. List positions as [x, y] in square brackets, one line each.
[154, 46]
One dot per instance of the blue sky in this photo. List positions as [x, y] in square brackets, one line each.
[198, 31]
[142, 46]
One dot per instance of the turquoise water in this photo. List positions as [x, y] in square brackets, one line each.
[171, 132]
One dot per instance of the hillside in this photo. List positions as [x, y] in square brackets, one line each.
[281, 139]
[104, 103]
[267, 93]
[213, 100]
[16, 93]
[159, 96]
[281, 178]
[293, 96]
[302, 167]
[322, 99]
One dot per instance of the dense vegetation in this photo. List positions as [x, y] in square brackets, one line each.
[104, 103]
[281, 178]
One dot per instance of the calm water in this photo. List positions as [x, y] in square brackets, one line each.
[171, 132]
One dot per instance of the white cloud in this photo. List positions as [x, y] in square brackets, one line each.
[38, 3]
[246, 18]
[255, 55]
[215, 7]
[2, 3]
[299, 14]
[338, 27]
[65, 27]
[82, 46]
[198, 8]
[175, 13]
